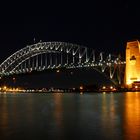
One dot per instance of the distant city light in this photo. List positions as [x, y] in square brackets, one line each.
[81, 87]
[4, 87]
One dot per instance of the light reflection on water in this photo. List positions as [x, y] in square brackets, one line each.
[132, 116]
[70, 116]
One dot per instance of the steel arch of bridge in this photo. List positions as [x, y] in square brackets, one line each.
[55, 55]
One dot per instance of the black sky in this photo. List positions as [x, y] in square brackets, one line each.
[103, 25]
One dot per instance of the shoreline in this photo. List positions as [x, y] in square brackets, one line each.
[66, 91]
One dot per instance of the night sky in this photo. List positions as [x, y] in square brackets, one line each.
[103, 25]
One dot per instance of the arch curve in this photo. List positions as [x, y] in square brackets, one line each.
[50, 55]
[39, 48]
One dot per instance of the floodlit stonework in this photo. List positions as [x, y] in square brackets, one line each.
[132, 71]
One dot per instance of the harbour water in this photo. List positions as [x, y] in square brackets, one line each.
[70, 116]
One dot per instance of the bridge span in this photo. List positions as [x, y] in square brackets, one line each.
[56, 55]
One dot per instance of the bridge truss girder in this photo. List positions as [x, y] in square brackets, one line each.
[54, 55]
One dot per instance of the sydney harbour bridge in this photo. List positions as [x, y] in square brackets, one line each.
[61, 55]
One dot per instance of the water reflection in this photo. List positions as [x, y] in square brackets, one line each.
[3, 115]
[110, 119]
[16, 112]
[132, 116]
[58, 110]
[70, 116]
